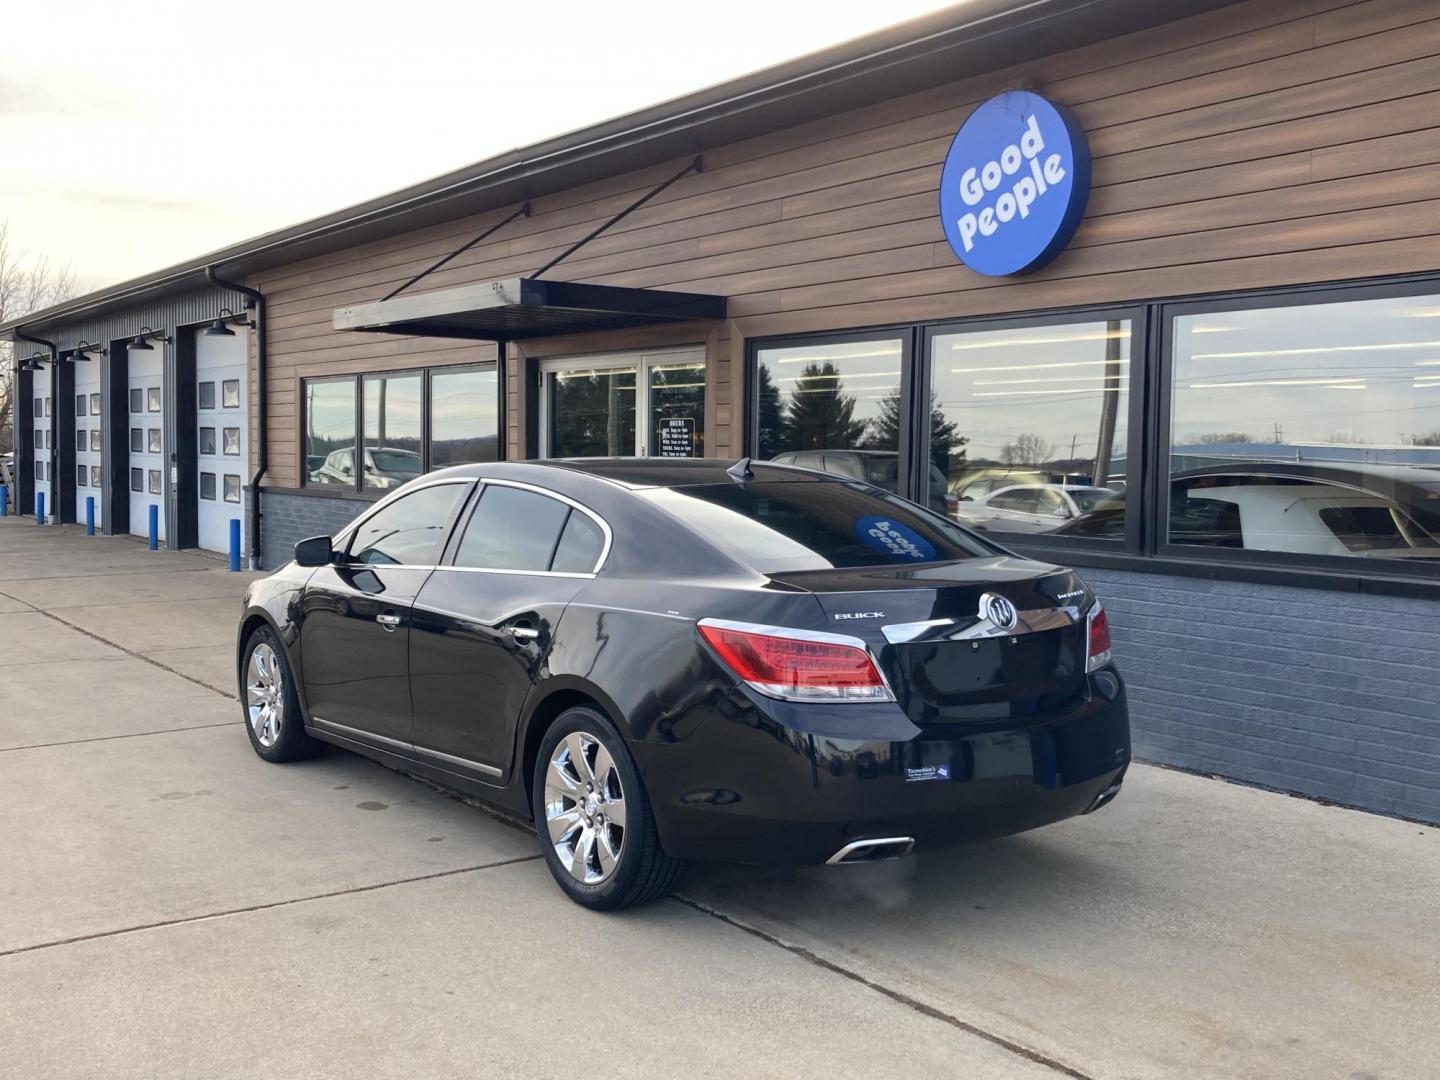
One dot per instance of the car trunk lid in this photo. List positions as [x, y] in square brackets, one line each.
[964, 642]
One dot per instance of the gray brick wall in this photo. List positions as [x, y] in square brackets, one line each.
[286, 518]
[1329, 694]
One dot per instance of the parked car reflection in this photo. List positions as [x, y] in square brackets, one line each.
[385, 467]
[1372, 511]
[1034, 508]
[878, 467]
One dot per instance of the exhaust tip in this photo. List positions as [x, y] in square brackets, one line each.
[1105, 797]
[874, 850]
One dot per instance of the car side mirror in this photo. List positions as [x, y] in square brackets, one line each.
[315, 551]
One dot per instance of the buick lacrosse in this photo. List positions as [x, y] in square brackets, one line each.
[662, 660]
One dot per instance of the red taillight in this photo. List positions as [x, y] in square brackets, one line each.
[1098, 653]
[797, 665]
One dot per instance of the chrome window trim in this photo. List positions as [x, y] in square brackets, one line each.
[820, 637]
[513, 573]
[548, 493]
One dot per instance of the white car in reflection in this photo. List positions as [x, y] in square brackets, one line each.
[1306, 519]
[1032, 508]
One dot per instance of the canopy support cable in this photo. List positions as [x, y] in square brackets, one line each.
[524, 211]
[695, 166]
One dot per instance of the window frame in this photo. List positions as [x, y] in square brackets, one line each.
[906, 334]
[356, 488]
[1158, 501]
[1145, 547]
[1136, 399]
[457, 531]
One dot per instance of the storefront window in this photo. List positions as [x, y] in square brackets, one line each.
[1312, 429]
[592, 413]
[330, 432]
[839, 397]
[1027, 427]
[463, 425]
[392, 431]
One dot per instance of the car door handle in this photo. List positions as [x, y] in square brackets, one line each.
[389, 620]
[523, 633]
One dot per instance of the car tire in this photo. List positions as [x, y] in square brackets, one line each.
[277, 735]
[578, 837]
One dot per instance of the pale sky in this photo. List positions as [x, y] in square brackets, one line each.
[135, 135]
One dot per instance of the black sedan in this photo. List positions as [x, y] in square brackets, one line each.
[668, 660]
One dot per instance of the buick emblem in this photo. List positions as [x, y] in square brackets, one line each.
[999, 611]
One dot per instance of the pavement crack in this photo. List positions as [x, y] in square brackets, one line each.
[107, 738]
[266, 907]
[897, 996]
[129, 652]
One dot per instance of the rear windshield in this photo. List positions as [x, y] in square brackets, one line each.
[781, 526]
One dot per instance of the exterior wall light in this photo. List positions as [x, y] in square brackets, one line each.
[140, 344]
[218, 327]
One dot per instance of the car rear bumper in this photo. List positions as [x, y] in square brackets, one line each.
[744, 788]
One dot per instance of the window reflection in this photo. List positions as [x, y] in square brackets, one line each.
[592, 413]
[463, 426]
[1027, 427]
[836, 408]
[1312, 429]
[392, 431]
[330, 432]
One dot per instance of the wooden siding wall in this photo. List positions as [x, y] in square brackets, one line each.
[1273, 142]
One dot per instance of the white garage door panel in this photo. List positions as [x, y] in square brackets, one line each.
[146, 475]
[41, 437]
[222, 438]
[89, 437]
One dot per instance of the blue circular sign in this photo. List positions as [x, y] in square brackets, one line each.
[884, 534]
[1015, 184]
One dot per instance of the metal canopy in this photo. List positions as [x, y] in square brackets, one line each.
[516, 308]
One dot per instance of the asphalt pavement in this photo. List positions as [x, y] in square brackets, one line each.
[171, 906]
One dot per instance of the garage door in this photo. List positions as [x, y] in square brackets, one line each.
[42, 435]
[89, 427]
[147, 440]
[220, 443]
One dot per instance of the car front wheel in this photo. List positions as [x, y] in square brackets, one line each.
[596, 827]
[272, 708]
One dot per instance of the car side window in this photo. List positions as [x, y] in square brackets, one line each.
[512, 529]
[580, 545]
[408, 531]
[1022, 500]
[841, 465]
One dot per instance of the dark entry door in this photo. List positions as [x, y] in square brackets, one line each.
[355, 633]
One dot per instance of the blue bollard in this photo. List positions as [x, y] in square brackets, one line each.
[39, 508]
[89, 515]
[234, 545]
[4, 500]
[154, 527]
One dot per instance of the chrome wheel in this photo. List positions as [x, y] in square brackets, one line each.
[585, 808]
[265, 694]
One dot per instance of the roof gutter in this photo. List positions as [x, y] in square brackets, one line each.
[872, 53]
[262, 404]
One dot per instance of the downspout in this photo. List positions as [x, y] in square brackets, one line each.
[262, 405]
[53, 506]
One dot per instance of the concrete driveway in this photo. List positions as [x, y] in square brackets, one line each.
[172, 906]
